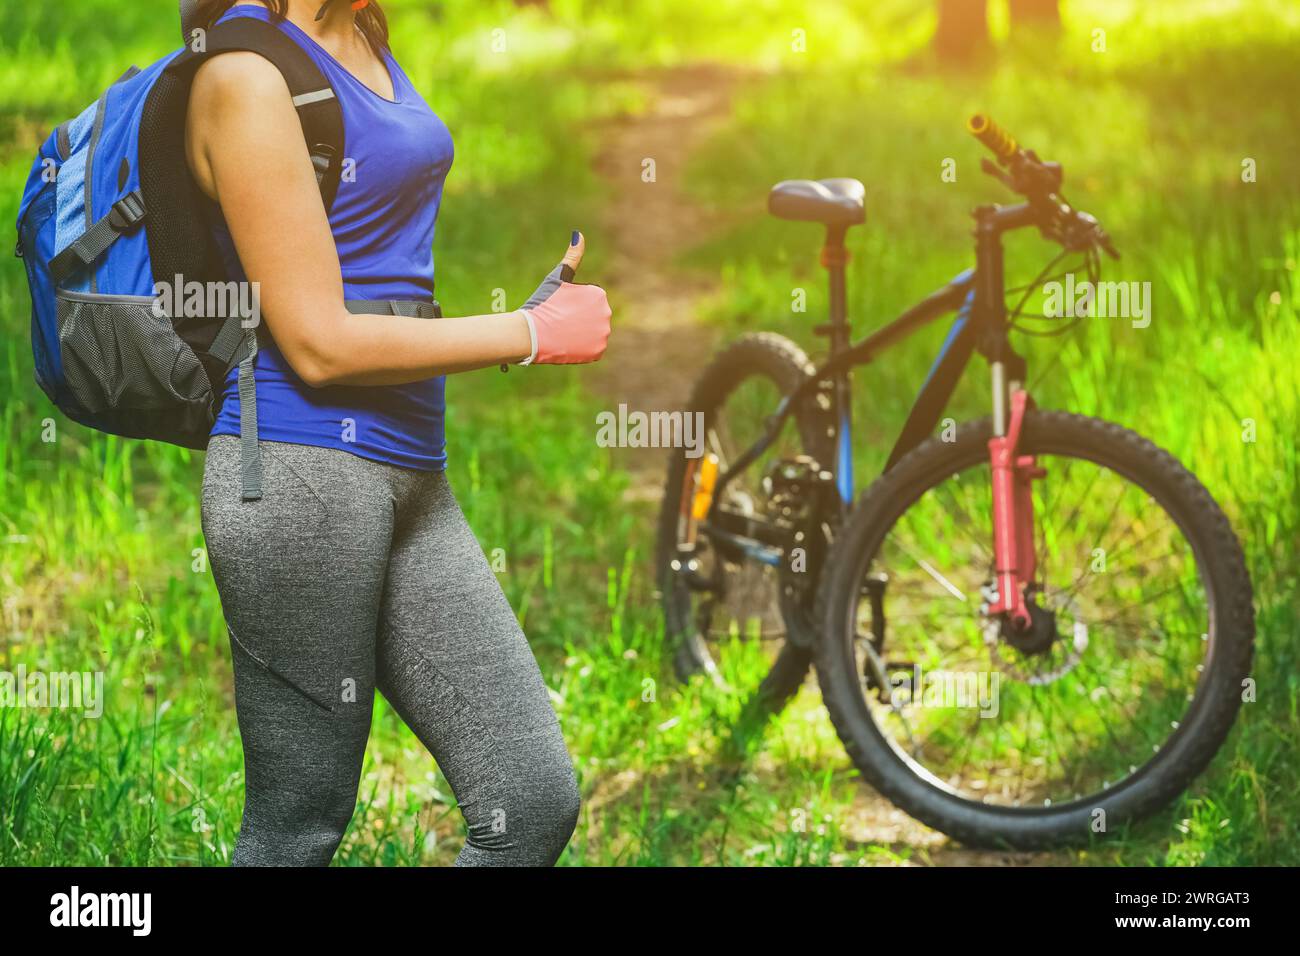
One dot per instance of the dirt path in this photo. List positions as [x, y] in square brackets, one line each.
[660, 345]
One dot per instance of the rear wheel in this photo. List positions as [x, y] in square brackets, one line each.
[744, 619]
[1103, 711]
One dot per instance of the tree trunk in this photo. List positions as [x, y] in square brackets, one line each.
[963, 30]
[1044, 12]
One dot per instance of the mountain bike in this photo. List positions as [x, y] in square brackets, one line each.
[1031, 628]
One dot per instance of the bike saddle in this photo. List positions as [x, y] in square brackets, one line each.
[836, 202]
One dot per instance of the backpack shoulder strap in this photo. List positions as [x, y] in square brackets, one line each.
[313, 97]
[322, 126]
[189, 19]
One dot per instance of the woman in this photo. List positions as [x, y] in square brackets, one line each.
[355, 570]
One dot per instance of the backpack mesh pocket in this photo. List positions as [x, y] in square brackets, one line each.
[119, 357]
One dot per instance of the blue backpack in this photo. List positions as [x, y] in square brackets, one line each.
[111, 213]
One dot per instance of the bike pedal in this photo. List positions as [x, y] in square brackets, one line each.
[688, 571]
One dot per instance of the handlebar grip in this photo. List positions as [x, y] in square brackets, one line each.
[1001, 143]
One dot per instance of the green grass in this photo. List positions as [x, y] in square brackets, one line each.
[101, 563]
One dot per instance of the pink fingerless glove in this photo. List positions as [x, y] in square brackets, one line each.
[569, 323]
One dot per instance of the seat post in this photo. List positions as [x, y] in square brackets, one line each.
[835, 256]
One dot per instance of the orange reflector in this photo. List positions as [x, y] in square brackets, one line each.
[705, 479]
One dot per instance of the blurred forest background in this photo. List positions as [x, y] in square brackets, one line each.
[1155, 109]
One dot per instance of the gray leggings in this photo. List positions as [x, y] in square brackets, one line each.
[349, 576]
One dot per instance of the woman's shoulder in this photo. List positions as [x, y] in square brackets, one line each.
[239, 104]
[237, 78]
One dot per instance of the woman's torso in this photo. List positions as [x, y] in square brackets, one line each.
[398, 156]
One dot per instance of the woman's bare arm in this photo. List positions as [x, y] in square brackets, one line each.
[243, 147]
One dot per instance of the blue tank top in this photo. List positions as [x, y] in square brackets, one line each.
[383, 222]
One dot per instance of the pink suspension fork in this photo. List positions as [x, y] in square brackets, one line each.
[1013, 516]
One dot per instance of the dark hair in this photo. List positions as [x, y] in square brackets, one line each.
[370, 19]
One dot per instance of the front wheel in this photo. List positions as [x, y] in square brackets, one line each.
[1122, 692]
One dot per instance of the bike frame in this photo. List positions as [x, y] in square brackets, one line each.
[977, 297]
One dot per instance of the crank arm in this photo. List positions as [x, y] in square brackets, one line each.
[749, 547]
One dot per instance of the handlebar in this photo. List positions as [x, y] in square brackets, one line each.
[1000, 143]
[1026, 173]
[1040, 183]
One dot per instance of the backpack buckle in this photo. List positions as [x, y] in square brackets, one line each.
[322, 158]
[127, 212]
